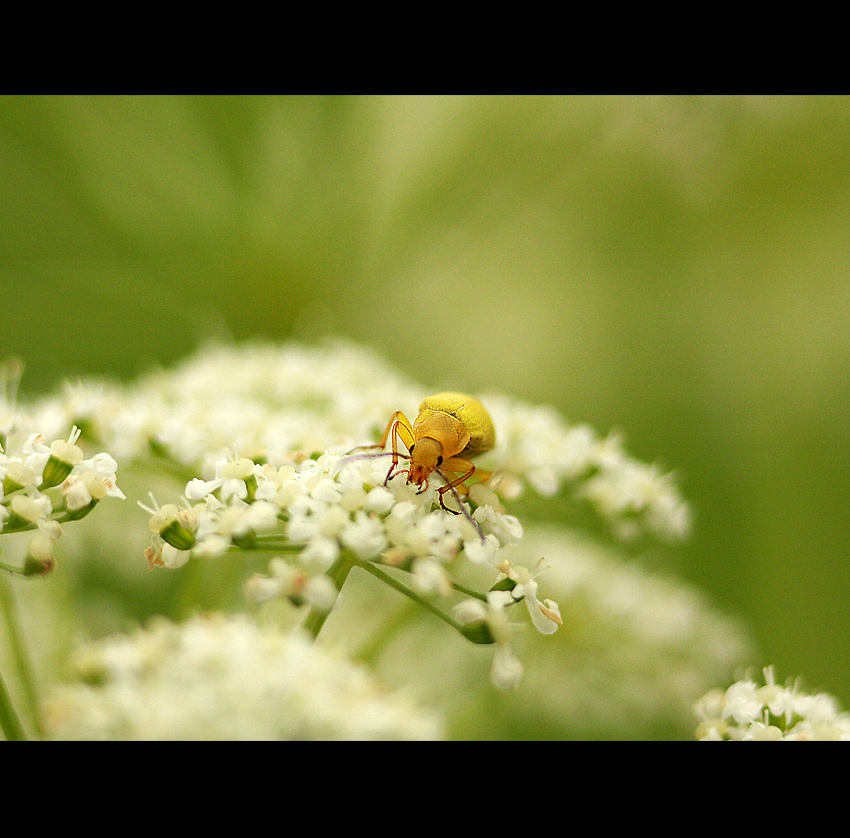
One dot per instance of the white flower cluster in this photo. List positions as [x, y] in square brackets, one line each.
[264, 430]
[216, 678]
[537, 446]
[45, 485]
[748, 711]
[324, 507]
[265, 402]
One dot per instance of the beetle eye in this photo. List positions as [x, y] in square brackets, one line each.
[439, 459]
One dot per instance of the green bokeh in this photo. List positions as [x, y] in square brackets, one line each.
[676, 268]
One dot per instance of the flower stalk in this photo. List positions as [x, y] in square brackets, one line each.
[9, 722]
[338, 573]
[420, 600]
[11, 725]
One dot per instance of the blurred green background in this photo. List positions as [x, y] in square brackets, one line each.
[677, 268]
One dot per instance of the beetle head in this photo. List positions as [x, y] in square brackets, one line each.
[426, 454]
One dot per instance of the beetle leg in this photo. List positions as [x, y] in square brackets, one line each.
[399, 427]
[481, 476]
[456, 465]
[384, 438]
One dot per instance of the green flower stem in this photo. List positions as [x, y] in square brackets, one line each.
[468, 591]
[9, 721]
[338, 573]
[388, 628]
[13, 525]
[269, 544]
[369, 567]
[19, 651]
[369, 651]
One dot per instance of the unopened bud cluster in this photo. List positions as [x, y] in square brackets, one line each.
[44, 485]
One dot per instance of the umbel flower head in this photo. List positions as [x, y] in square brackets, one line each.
[264, 434]
[271, 403]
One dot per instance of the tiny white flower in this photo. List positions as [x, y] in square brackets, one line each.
[16, 472]
[198, 489]
[259, 517]
[209, 546]
[68, 450]
[507, 670]
[431, 577]
[320, 591]
[761, 732]
[325, 489]
[31, 507]
[261, 588]
[482, 551]
[506, 528]
[379, 500]
[545, 616]
[174, 558]
[742, 703]
[76, 492]
[320, 553]
[470, 610]
[365, 536]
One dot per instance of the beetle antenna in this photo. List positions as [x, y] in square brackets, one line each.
[349, 457]
[464, 511]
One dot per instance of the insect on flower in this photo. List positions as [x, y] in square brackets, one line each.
[450, 429]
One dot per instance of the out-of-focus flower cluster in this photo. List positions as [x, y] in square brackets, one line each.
[214, 678]
[637, 647]
[749, 711]
[44, 485]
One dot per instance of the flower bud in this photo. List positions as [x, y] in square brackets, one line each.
[178, 535]
[25, 512]
[174, 526]
[38, 567]
[506, 584]
[39, 560]
[64, 455]
[17, 477]
[55, 471]
[478, 631]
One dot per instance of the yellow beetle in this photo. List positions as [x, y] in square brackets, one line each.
[450, 429]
